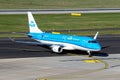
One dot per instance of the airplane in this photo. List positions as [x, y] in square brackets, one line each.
[59, 42]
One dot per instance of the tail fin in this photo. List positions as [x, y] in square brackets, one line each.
[32, 24]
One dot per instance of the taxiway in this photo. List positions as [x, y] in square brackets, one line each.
[30, 62]
[8, 49]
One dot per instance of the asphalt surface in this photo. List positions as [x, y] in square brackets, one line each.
[8, 49]
[60, 11]
[31, 62]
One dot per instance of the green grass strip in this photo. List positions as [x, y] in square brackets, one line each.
[19, 23]
[58, 4]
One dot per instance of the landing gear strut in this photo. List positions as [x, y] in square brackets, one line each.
[89, 53]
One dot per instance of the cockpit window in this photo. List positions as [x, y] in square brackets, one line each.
[92, 41]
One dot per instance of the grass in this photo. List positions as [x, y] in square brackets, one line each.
[19, 23]
[58, 4]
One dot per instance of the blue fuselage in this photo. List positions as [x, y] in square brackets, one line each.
[82, 41]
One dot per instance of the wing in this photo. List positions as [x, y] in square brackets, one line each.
[54, 47]
[26, 42]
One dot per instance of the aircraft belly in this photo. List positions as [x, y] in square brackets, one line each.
[66, 46]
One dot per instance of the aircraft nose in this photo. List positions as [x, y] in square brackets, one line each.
[94, 45]
[98, 47]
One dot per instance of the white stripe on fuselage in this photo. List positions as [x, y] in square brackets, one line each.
[66, 46]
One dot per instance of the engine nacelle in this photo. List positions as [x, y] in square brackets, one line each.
[57, 49]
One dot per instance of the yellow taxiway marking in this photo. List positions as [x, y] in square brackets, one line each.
[75, 14]
[55, 32]
[92, 61]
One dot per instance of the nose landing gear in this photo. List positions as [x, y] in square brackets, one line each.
[89, 53]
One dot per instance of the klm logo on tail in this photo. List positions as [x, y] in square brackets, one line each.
[32, 24]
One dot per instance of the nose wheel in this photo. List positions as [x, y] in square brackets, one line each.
[89, 53]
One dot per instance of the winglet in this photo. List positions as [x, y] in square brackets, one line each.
[32, 24]
[96, 35]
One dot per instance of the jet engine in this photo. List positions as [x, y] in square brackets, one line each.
[57, 49]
